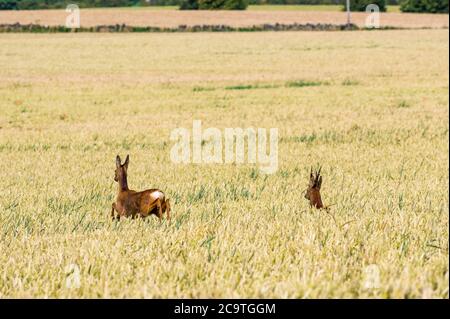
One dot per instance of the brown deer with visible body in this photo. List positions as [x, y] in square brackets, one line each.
[313, 192]
[133, 204]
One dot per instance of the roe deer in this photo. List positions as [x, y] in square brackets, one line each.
[313, 192]
[134, 204]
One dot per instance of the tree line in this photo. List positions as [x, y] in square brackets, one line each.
[432, 6]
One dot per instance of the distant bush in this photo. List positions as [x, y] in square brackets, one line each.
[189, 5]
[185, 4]
[312, 2]
[360, 5]
[57, 4]
[295, 1]
[431, 6]
[214, 5]
[160, 3]
[235, 5]
[8, 5]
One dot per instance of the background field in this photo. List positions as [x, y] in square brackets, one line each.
[374, 114]
[257, 15]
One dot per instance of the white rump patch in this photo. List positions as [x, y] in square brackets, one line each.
[158, 194]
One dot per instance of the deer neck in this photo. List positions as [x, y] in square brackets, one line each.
[316, 199]
[123, 183]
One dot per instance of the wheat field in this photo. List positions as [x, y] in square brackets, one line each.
[370, 107]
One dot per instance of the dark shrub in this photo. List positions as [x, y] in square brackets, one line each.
[189, 5]
[431, 6]
[214, 5]
[360, 5]
[235, 5]
[8, 4]
[54, 4]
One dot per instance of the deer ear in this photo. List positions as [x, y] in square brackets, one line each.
[117, 161]
[311, 179]
[127, 161]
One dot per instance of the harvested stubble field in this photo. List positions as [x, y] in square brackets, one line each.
[371, 107]
[175, 18]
